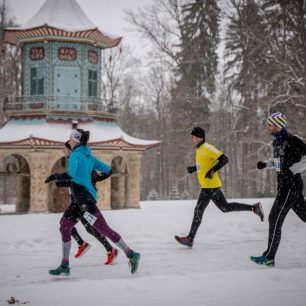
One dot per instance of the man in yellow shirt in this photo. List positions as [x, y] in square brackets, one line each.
[209, 161]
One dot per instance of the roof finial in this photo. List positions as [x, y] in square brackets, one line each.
[74, 124]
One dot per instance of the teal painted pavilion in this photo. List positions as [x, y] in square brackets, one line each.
[61, 90]
[61, 56]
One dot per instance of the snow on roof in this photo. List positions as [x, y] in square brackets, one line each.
[16, 130]
[62, 14]
[61, 18]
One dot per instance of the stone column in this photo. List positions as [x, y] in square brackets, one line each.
[2, 155]
[40, 169]
[103, 194]
[133, 183]
[121, 192]
[23, 193]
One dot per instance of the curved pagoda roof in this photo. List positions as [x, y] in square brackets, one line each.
[60, 20]
[41, 133]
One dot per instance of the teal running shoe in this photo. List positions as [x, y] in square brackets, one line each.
[61, 270]
[134, 261]
[262, 260]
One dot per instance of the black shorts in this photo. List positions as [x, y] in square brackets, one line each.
[73, 212]
[84, 200]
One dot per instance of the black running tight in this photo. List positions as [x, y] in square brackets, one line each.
[219, 199]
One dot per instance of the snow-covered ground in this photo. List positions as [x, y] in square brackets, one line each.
[215, 272]
[7, 208]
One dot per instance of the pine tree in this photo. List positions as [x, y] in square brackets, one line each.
[175, 193]
[198, 61]
[286, 90]
[195, 80]
[9, 61]
[186, 195]
[246, 69]
[153, 195]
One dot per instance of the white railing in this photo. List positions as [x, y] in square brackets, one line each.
[55, 103]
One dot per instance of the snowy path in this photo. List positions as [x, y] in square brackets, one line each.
[215, 272]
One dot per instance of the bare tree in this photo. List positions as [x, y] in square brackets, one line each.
[158, 93]
[183, 35]
[160, 24]
[10, 66]
[117, 63]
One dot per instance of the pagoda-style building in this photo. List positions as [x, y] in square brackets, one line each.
[61, 90]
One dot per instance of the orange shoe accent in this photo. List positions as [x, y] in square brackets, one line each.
[82, 249]
[111, 256]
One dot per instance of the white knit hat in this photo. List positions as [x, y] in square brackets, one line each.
[76, 136]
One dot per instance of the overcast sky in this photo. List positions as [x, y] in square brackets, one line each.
[107, 15]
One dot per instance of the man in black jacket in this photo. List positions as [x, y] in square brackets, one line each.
[288, 163]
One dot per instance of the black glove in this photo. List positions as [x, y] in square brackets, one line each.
[101, 177]
[261, 165]
[191, 169]
[61, 184]
[50, 178]
[210, 174]
[95, 177]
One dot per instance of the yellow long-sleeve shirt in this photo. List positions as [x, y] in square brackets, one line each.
[206, 158]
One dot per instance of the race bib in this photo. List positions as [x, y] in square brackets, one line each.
[91, 219]
[277, 164]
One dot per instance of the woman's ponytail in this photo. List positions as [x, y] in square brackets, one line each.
[85, 136]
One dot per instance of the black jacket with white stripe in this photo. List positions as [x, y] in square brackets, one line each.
[288, 151]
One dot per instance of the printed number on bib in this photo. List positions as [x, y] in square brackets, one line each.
[91, 219]
[277, 164]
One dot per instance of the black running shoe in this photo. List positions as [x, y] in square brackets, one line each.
[184, 240]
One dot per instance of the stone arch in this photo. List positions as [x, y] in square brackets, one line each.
[119, 183]
[59, 198]
[16, 169]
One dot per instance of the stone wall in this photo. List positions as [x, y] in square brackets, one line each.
[36, 196]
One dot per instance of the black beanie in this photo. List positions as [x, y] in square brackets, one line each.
[198, 132]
